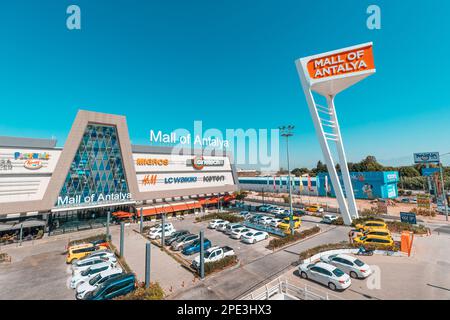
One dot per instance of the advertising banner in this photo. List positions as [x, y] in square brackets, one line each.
[424, 201]
[408, 217]
[427, 172]
[426, 157]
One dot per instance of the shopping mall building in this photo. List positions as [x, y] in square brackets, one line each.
[98, 170]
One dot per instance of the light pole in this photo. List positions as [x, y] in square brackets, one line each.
[444, 195]
[287, 131]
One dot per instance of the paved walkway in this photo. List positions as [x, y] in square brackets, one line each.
[164, 269]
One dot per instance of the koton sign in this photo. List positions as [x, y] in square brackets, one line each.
[341, 63]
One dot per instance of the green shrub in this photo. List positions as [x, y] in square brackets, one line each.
[280, 242]
[338, 222]
[224, 263]
[424, 212]
[153, 292]
[398, 227]
[224, 216]
[369, 212]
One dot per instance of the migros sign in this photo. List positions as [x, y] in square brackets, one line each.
[152, 162]
[342, 63]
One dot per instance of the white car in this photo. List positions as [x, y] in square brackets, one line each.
[238, 232]
[214, 223]
[105, 253]
[222, 226]
[158, 226]
[88, 261]
[350, 265]
[265, 220]
[94, 282]
[326, 274]
[213, 254]
[275, 222]
[157, 233]
[82, 265]
[254, 236]
[329, 218]
[277, 210]
[87, 274]
[231, 227]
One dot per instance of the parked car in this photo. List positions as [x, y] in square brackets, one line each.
[350, 265]
[314, 208]
[329, 218]
[159, 225]
[326, 274]
[80, 251]
[254, 236]
[377, 232]
[90, 285]
[92, 262]
[213, 223]
[100, 254]
[184, 241]
[88, 273]
[213, 254]
[285, 224]
[375, 240]
[275, 222]
[371, 224]
[86, 262]
[238, 232]
[113, 288]
[266, 208]
[282, 215]
[231, 227]
[174, 236]
[157, 233]
[298, 212]
[195, 246]
[265, 220]
[100, 242]
[277, 210]
[222, 226]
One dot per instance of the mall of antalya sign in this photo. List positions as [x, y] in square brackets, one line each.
[327, 74]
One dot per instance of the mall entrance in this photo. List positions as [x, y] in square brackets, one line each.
[74, 220]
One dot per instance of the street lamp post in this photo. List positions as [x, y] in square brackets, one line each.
[287, 131]
[444, 195]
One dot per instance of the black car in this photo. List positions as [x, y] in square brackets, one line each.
[175, 236]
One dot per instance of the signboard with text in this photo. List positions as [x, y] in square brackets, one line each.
[426, 157]
[424, 201]
[408, 217]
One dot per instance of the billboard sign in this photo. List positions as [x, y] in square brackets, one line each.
[428, 172]
[424, 201]
[408, 217]
[341, 63]
[426, 157]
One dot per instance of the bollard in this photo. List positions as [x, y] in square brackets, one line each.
[121, 238]
[142, 221]
[163, 234]
[147, 264]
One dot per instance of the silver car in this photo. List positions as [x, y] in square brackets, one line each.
[184, 241]
[326, 274]
[350, 265]
[232, 226]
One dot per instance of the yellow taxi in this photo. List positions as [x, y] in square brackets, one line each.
[378, 241]
[314, 208]
[371, 224]
[82, 250]
[285, 225]
[377, 232]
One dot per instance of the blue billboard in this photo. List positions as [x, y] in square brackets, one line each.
[366, 185]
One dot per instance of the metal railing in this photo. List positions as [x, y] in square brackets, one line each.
[289, 291]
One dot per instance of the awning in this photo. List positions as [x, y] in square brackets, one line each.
[25, 224]
[122, 214]
[194, 205]
[168, 208]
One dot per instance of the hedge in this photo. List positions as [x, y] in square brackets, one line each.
[88, 239]
[338, 222]
[153, 292]
[224, 263]
[424, 212]
[224, 216]
[342, 245]
[280, 242]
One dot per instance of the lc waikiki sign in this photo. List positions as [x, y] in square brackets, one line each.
[327, 74]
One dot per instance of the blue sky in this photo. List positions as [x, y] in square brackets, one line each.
[165, 64]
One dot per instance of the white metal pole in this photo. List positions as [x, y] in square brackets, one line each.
[343, 162]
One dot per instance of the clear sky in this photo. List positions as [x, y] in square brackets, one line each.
[229, 63]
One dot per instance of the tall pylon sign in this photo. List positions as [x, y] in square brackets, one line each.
[327, 74]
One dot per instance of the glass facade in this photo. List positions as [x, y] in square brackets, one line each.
[97, 168]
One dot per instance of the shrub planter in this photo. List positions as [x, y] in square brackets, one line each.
[281, 242]
[153, 292]
[224, 216]
[227, 262]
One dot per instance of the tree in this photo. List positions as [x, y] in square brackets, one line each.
[300, 171]
[408, 172]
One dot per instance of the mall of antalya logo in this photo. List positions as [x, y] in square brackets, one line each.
[258, 148]
[149, 180]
